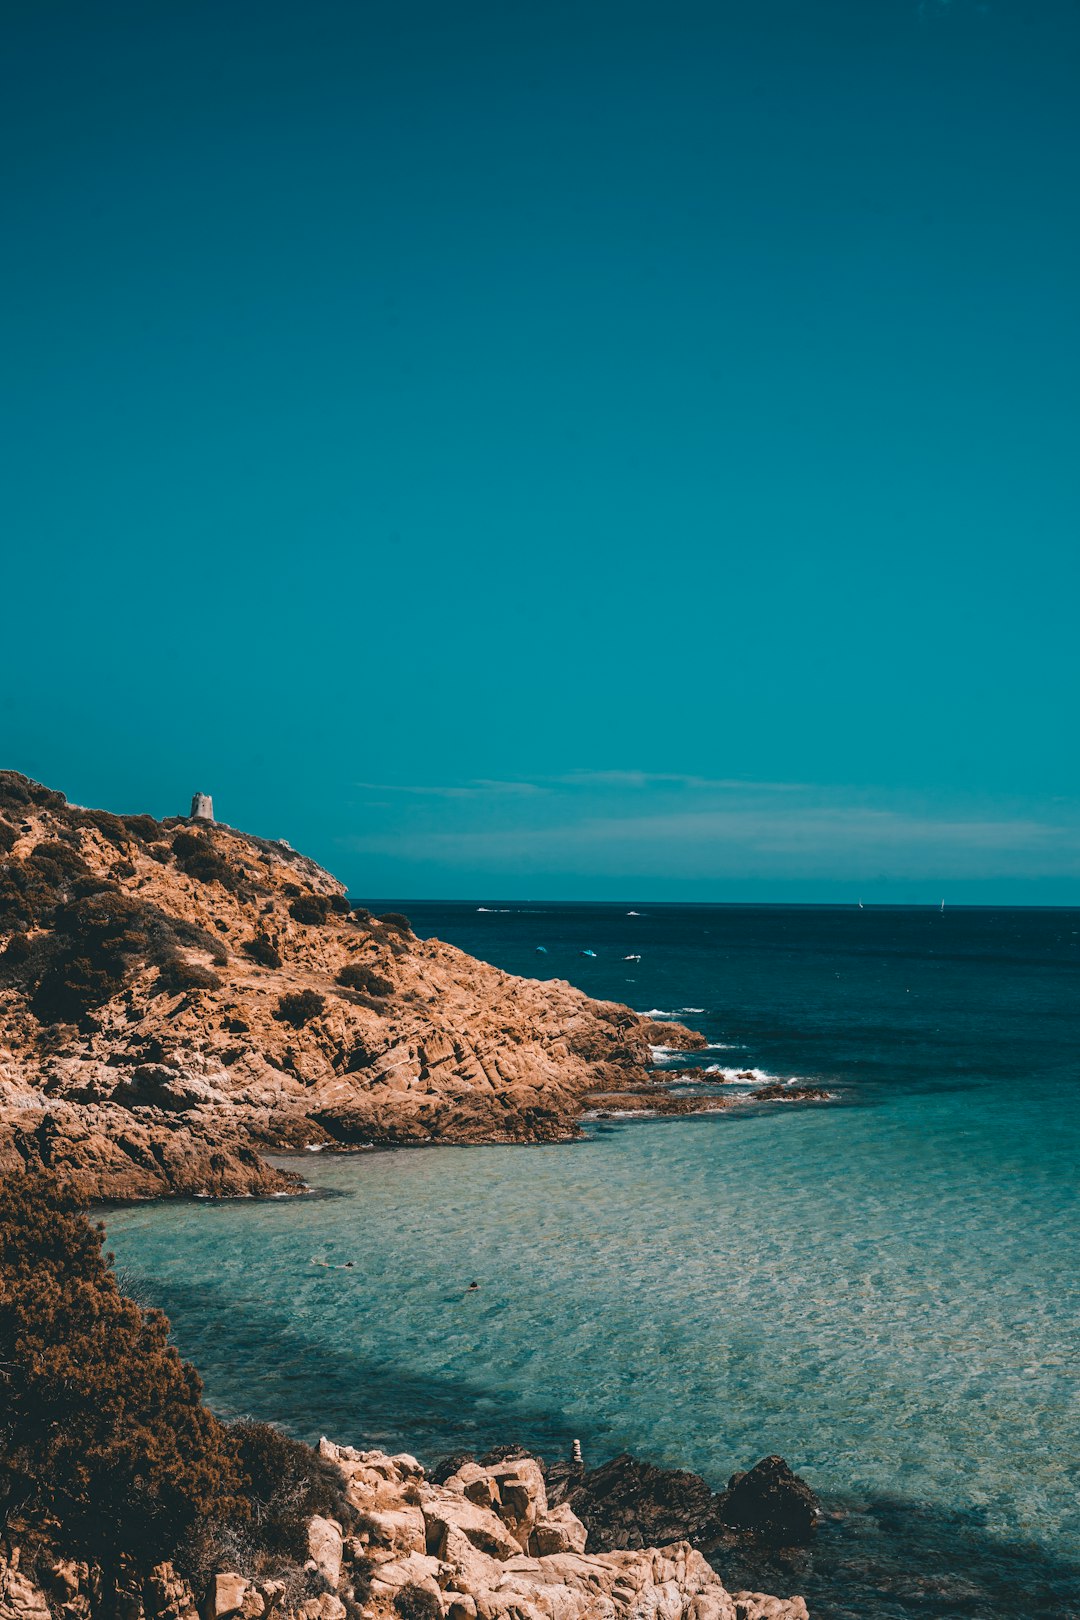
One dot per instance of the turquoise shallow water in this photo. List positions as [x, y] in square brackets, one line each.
[883, 1291]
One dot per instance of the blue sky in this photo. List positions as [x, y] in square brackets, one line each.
[553, 450]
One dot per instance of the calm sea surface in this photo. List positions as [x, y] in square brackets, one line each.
[883, 1288]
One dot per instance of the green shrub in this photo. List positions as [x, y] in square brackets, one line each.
[263, 950]
[177, 974]
[286, 1483]
[310, 908]
[198, 856]
[17, 951]
[95, 939]
[299, 1007]
[144, 828]
[20, 793]
[417, 1603]
[394, 919]
[358, 976]
[110, 827]
[103, 1438]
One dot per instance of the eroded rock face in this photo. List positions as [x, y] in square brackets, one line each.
[236, 1003]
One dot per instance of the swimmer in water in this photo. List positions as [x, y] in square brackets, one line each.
[471, 1286]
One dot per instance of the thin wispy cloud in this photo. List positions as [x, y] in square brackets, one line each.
[467, 790]
[811, 832]
[647, 779]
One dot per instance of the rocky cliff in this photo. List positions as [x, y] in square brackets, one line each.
[176, 998]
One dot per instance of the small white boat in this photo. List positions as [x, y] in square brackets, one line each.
[631, 958]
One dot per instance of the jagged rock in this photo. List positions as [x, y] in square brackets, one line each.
[167, 1596]
[328, 1606]
[772, 1502]
[445, 1509]
[477, 1570]
[401, 1530]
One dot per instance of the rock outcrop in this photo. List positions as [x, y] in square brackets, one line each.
[177, 997]
[630, 1503]
[487, 1543]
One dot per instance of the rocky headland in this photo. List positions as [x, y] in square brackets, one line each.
[178, 997]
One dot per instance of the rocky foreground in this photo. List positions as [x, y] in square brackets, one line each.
[177, 997]
[484, 1544]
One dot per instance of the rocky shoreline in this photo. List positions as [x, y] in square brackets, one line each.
[495, 1539]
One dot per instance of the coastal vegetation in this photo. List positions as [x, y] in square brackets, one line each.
[107, 1452]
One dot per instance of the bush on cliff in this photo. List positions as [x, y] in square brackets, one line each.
[299, 1008]
[310, 908]
[95, 939]
[286, 1483]
[144, 828]
[111, 828]
[395, 920]
[358, 976]
[19, 793]
[415, 1602]
[198, 856]
[262, 949]
[104, 1443]
[178, 973]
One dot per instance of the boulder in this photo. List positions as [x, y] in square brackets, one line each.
[772, 1502]
[167, 1596]
[325, 1547]
[558, 1532]
[400, 1530]
[225, 1595]
[628, 1503]
[444, 1509]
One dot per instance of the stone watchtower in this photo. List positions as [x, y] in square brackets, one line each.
[202, 807]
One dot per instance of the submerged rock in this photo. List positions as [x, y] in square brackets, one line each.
[772, 1502]
[631, 1503]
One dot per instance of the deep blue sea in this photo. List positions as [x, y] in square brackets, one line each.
[883, 1288]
